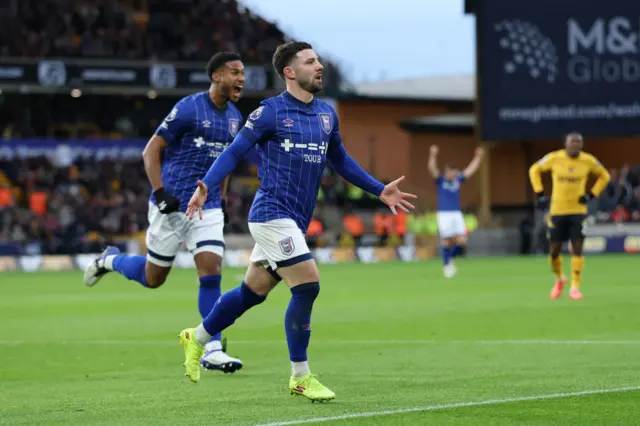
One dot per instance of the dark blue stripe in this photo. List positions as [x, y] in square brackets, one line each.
[160, 257]
[209, 243]
[294, 260]
[274, 274]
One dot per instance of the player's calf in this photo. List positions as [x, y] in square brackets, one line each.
[155, 275]
[447, 257]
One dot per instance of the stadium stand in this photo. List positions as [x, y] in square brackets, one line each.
[167, 29]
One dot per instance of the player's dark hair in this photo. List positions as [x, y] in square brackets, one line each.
[285, 53]
[219, 59]
[571, 135]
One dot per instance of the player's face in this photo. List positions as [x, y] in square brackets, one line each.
[573, 145]
[450, 174]
[230, 80]
[308, 70]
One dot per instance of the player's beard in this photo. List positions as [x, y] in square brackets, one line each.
[311, 86]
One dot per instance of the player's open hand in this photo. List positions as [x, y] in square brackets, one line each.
[394, 198]
[479, 152]
[197, 200]
[433, 150]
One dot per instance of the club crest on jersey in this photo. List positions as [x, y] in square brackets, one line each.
[287, 122]
[286, 246]
[206, 123]
[234, 125]
[326, 122]
[257, 113]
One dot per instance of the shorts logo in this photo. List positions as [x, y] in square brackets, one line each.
[286, 246]
[152, 238]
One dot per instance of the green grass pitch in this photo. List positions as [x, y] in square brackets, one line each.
[386, 338]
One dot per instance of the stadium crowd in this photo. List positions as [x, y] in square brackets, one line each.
[169, 29]
[57, 205]
[620, 201]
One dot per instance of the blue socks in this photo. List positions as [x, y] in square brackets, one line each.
[446, 255]
[208, 295]
[297, 321]
[230, 307]
[131, 267]
[456, 251]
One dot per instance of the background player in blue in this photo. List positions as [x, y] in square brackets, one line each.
[451, 226]
[181, 151]
[295, 135]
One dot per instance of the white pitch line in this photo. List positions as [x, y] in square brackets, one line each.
[454, 405]
[331, 342]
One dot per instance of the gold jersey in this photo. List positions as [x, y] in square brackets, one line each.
[569, 176]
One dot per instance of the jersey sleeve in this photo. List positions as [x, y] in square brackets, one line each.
[545, 163]
[596, 167]
[176, 123]
[461, 177]
[261, 124]
[536, 170]
[603, 176]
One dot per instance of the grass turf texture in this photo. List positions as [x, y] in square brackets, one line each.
[385, 337]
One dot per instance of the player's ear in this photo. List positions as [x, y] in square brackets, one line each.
[289, 73]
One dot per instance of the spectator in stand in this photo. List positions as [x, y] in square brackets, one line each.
[620, 214]
[315, 231]
[174, 30]
[353, 225]
[620, 201]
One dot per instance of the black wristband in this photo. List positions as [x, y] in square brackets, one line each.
[160, 193]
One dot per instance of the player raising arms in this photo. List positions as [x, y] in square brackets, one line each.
[570, 167]
[183, 148]
[451, 226]
[295, 136]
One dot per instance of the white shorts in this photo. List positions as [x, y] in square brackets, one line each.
[451, 224]
[167, 232]
[279, 243]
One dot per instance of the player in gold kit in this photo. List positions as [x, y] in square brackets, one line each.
[570, 167]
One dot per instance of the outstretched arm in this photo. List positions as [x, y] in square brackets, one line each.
[432, 162]
[229, 159]
[474, 164]
[258, 127]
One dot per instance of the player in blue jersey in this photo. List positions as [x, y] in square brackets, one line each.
[451, 226]
[188, 141]
[295, 136]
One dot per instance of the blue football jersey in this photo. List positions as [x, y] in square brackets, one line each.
[196, 132]
[449, 193]
[293, 140]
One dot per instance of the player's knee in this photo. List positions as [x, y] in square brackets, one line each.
[461, 241]
[311, 290]
[208, 263]
[576, 249]
[155, 275]
[155, 281]
[260, 287]
[261, 280]
[447, 242]
[211, 269]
